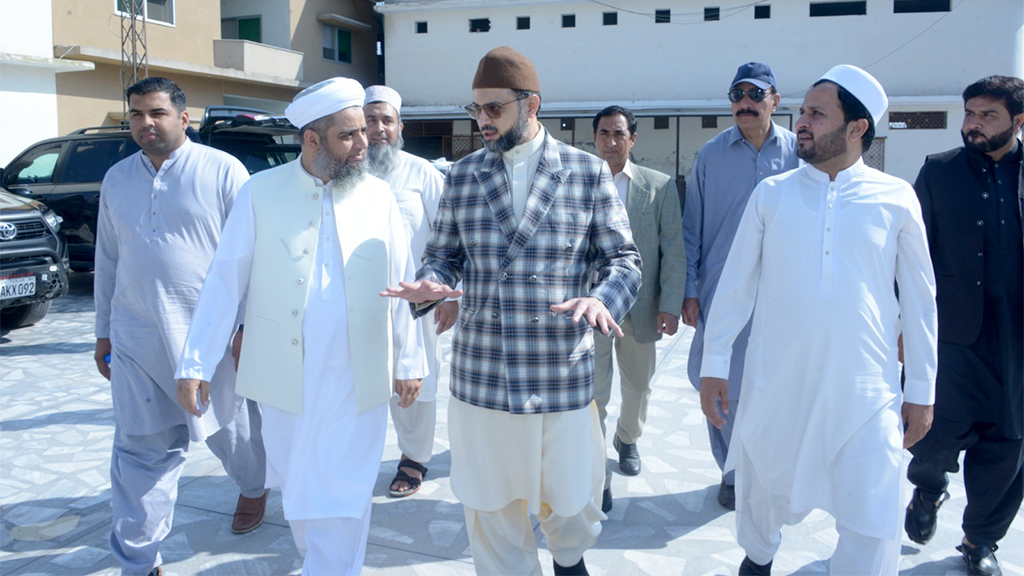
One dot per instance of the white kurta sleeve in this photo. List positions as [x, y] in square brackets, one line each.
[918, 314]
[226, 282]
[737, 290]
[410, 360]
[105, 275]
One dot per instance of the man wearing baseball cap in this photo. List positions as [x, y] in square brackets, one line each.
[523, 223]
[814, 259]
[727, 169]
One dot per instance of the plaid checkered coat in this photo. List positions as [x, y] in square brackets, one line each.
[510, 352]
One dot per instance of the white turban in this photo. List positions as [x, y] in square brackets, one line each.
[863, 86]
[383, 94]
[323, 99]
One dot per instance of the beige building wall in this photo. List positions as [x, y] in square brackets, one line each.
[307, 37]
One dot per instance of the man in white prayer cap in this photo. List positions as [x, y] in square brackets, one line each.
[417, 186]
[815, 257]
[311, 243]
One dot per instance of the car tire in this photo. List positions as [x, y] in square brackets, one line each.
[24, 315]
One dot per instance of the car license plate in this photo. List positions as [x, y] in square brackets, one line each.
[18, 287]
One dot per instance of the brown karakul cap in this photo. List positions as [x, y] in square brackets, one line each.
[503, 67]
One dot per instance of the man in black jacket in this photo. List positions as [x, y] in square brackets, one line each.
[971, 198]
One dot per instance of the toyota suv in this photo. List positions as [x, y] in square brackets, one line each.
[33, 260]
[65, 173]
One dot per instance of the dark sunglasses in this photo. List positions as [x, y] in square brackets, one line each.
[493, 109]
[756, 94]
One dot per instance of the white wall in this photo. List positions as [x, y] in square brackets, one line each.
[275, 18]
[27, 28]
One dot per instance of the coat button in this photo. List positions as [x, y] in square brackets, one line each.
[980, 254]
[533, 279]
[302, 280]
[984, 195]
[568, 247]
[295, 312]
[980, 223]
[316, 196]
[503, 276]
[535, 319]
[494, 315]
[472, 243]
[979, 282]
[311, 224]
[305, 252]
[295, 342]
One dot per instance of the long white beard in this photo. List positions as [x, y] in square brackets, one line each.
[383, 158]
[332, 168]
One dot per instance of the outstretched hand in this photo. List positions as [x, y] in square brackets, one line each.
[597, 314]
[421, 291]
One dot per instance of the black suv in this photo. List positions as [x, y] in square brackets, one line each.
[66, 172]
[33, 260]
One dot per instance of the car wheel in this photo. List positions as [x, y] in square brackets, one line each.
[24, 315]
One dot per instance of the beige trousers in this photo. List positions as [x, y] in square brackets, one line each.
[636, 363]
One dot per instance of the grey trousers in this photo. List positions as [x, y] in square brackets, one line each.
[720, 440]
[144, 472]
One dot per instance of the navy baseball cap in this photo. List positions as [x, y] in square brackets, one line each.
[758, 74]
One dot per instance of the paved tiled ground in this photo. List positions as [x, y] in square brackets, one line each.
[56, 424]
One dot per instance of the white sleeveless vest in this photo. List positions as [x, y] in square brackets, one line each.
[287, 208]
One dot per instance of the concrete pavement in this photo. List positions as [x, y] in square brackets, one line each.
[56, 427]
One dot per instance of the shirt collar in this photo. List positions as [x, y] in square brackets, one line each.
[842, 177]
[526, 149]
[174, 155]
[735, 135]
[316, 179]
[627, 169]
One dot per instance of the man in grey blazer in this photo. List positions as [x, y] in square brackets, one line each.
[656, 220]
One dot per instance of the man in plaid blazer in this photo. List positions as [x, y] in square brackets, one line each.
[523, 223]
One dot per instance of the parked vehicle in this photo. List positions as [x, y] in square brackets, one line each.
[65, 173]
[33, 260]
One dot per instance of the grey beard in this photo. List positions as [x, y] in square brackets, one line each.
[512, 138]
[383, 158]
[341, 172]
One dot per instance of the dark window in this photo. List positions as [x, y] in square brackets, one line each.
[241, 29]
[611, 18]
[568, 123]
[661, 122]
[480, 25]
[712, 14]
[709, 121]
[523, 23]
[762, 12]
[917, 120]
[662, 16]
[337, 44]
[568, 20]
[421, 27]
[911, 6]
[89, 160]
[839, 8]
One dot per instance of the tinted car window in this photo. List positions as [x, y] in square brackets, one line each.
[36, 166]
[89, 160]
[256, 152]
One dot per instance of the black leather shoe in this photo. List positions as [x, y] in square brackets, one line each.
[749, 568]
[981, 560]
[606, 500]
[580, 569]
[727, 496]
[922, 517]
[629, 457]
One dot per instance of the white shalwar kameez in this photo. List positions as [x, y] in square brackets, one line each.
[816, 260]
[418, 186]
[326, 461]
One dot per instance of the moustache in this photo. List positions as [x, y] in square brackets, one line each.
[491, 127]
[805, 131]
[974, 133]
[748, 112]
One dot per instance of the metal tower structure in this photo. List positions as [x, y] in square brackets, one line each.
[134, 63]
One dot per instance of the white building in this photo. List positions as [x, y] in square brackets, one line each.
[671, 62]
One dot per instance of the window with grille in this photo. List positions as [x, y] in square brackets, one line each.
[337, 44]
[522, 23]
[568, 20]
[709, 122]
[875, 156]
[762, 12]
[917, 120]
[480, 25]
[611, 19]
[568, 123]
[839, 8]
[661, 122]
[421, 27]
[662, 16]
[914, 6]
[712, 14]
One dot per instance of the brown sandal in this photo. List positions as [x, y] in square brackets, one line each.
[402, 476]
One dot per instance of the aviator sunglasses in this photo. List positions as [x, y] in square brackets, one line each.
[756, 94]
[493, 109]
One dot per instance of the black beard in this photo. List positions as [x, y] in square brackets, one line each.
[331, 168]
[513, 137]
[825, 147]
[383, 158]
[987, 145]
